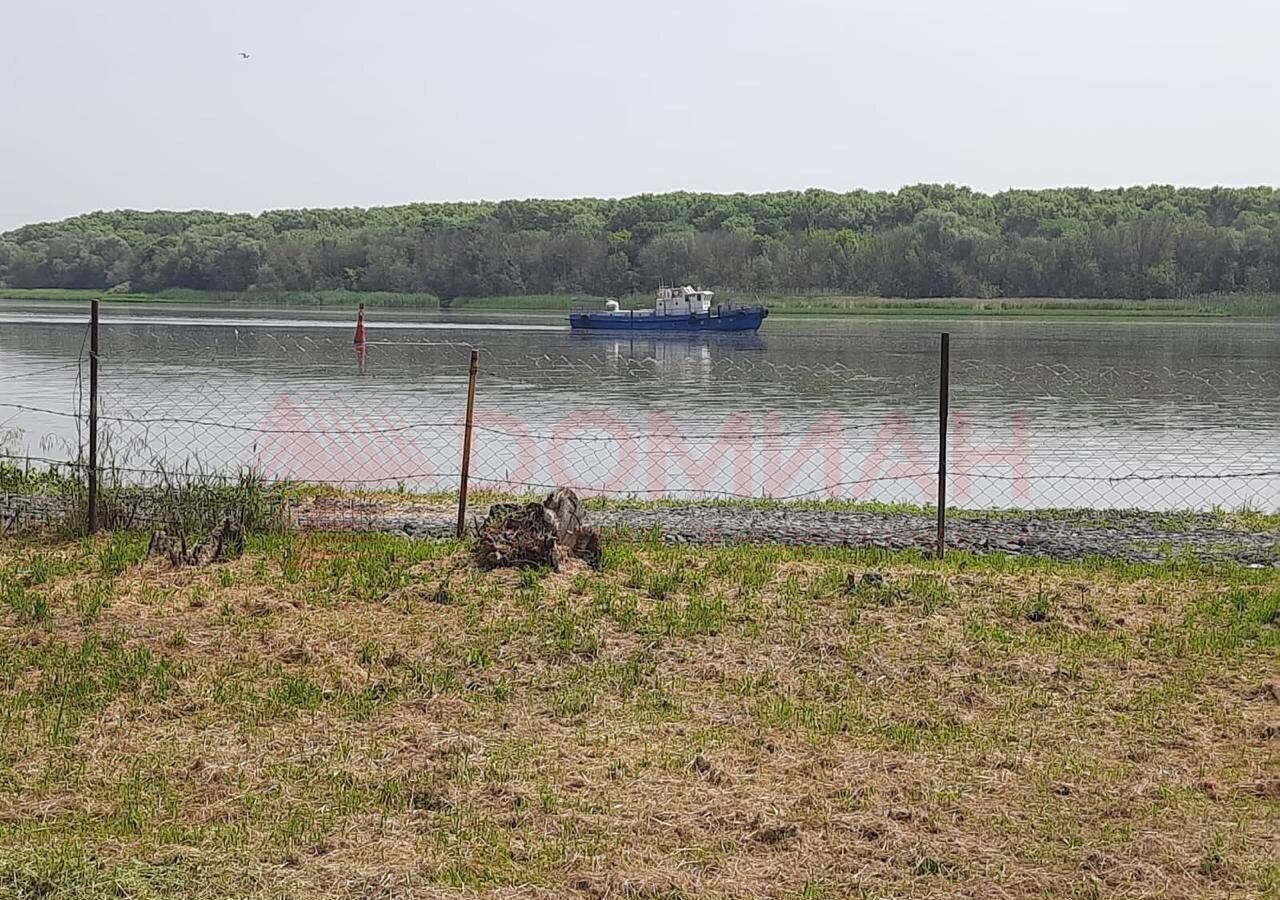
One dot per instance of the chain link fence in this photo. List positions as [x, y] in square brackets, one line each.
[647, 419]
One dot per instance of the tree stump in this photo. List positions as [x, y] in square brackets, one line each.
[224, 543]
[538, 534]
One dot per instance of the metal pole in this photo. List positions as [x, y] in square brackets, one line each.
[93, 418]
[466, 443]
[944, 397]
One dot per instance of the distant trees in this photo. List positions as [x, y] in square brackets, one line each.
[921, 241]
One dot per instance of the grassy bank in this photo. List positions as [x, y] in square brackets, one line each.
[1227, 305]
[201, 501]
[1210, 307]
[262, 298]
[368, 716]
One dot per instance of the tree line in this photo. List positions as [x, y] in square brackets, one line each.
[920, 241]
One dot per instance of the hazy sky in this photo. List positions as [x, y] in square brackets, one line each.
[127, 103]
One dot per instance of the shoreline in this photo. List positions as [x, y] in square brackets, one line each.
[1126, 536]
[1265, 307]
[1130, 536]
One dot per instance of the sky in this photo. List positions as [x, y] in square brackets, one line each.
[131, 103]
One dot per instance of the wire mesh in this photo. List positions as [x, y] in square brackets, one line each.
[390, 415]
[1105, 436]
[42, 421]
[650, 418]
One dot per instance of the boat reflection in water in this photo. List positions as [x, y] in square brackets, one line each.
[688, 356]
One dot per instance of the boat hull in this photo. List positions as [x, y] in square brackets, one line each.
[746, 318]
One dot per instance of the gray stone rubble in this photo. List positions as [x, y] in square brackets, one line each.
[1133, 536]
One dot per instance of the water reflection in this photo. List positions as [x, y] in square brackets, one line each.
[1099, 398]
[688, 357]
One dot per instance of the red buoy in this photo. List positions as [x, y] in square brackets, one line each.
[360, 325]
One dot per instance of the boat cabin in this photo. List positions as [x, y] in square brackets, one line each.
[675, 308]
[682, 301]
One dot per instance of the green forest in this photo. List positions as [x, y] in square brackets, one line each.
[920, 241]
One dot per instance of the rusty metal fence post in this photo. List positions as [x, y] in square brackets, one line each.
[466, 443]
[92, 511]
[944, 398]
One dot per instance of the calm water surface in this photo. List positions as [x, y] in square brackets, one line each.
[1044, 412]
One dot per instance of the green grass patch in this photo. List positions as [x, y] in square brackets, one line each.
[655, 728]
[1211, 306]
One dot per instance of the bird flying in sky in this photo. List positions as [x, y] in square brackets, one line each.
[244, 55]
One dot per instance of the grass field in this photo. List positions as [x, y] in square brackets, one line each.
[1219, 306]
[261, 298]
[1232, 305]
[364, 716]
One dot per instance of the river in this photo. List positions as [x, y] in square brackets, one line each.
[1044, 411]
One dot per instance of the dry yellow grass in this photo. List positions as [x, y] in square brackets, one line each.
[361, 716]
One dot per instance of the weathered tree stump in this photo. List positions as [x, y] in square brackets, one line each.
[538, 534]
[224, 543]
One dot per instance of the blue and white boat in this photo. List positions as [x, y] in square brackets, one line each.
[676, 309]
